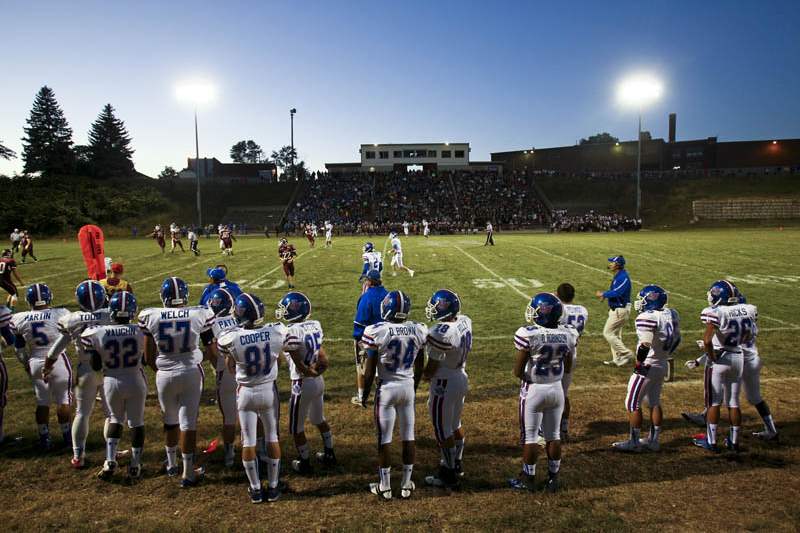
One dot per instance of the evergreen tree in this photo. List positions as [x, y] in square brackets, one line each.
[168, 173]
[6, 153]
[109, 146]
[48, 137]
[247, 152]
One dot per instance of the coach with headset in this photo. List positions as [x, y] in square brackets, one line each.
[619, 304]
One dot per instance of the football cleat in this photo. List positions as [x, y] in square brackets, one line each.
[273, 493]
[703, 443]
[411, 273]
[406, 491]
[653, 446]
[551, 485]
[627, 446]
[459, 468]
[77, 462]
[256, 495]
[171, 472]
[730, 446]
[698, 419]
[134, 472]
[355, 400]
[302, 467]
[109, 467]
[199, 474]
[45, 444]
[327, 458]
[375, 488]
[522, 483]
[766, 436]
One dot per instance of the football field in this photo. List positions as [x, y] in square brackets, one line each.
[679, 488]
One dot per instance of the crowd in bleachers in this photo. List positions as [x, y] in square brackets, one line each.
[592, 222]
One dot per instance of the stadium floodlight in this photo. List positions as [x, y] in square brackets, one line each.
[196, 92]
[639, 91]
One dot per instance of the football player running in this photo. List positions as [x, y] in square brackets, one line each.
[397, 255]
[173, 335]
[545, 350]
[8, 269]
[395, 351]
[426, 230]
[328, 234]
[8, 339]
[372, 261]
[91, 297]
[729, 325]
[658, 328]
[36, 331]
[307, 361]
[449, 342]
[117, 350]
[576, 316]
[221, 303]
[175, 236]
[158, 235]
[252, 351]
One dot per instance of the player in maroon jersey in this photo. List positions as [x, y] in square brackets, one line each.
[158, 235]
[8, 268]
[310, 235]
[27, 246]
[287, 253]
[226, 239]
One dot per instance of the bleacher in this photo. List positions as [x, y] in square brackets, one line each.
[746, 209]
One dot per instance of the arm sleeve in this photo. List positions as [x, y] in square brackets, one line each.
[709, 316]
[59, 346]
[618, 287]
[294, 338]
[362, 317]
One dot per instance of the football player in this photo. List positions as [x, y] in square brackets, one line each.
[425, 229]
[91, 297]
[226, 239]
[576, 316]
[732, 324]
[307, 362]
[309, 235]
[287, 253]
[8, 339]
[658, 329]
[328, 234]
[221, 304]
[397, 255]
[252, 350]
[117, 350]
[158, 235]
[27, 246]
[449, 342]
[218, 279]
[405, 225]
[545, 351]
[192, 236]
[35, 331]
[173, 335]
[372, 261]
[8, 272]
[395, 351]
[175, 236]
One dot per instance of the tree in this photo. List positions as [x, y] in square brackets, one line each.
[600, 138]
[109, 145]
[47, 144]
[168, 173]
[83, 160]
[6, 153]
[284, 157]
[247, 152]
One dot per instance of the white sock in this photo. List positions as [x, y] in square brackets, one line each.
[327, 440]
[459, 448]
[172, 456]
[273, 471]
[111, 449]
[136, 456]
[635, 433]
[735, 434]
[529, 469]
[711, 433]
[77, 453]
[407, 471]
[188, 466]
[655, 432]
[302, 449]
[251, 470]
[360, 393]
[385, 474]
[80, 430]
[553, 465]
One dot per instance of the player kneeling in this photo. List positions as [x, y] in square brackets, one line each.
[544, 353]
[449, 342]
[307, 361]
[253, 350]
[659, 334]
[117, 349]
[394, 350]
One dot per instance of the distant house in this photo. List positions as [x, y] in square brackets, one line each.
[211, 169]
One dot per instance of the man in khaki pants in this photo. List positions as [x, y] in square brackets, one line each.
[619, 303]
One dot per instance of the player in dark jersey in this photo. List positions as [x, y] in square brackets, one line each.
[27, 247]
[226, 239]
[8, 268]
[310, 235]
[158, 235]
[287, 253]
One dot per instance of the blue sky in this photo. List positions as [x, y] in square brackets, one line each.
[501, 75]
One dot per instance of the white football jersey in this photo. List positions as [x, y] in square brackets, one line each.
[73, 324]
[328, 229]
[255, 352]
[425, 223]
[306, 338]
[39, 329]
[450, 343]
[396, 246]
[397, 346]
[176, 331]
[373, 259]
[736, 325]
[222, 324]
[121, 347]
[661, 329]
[547, 350]
[576, 316]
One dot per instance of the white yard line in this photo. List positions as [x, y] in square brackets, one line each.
[493, 273]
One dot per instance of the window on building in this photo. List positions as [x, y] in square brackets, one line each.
[408, 153]
[694, 153]
[370, 155]
[383, 155]
[397, 154]
[459, 154]
[446, 154]
[431, 153]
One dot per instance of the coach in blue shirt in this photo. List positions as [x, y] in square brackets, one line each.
[368, 312]
[218, 279]
[619, 303]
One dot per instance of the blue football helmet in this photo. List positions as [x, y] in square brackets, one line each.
[651, 298]
[221, 302]
[368, 247]
[544, 310]
[91, 295]
[38, 295]
[217, 273]
[442, 305]
[122, 305]
[395, 306]
[174, 292]
[248, 310]
[722, 292]
[294, 307]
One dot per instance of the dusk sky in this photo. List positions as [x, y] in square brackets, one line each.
[500, 75]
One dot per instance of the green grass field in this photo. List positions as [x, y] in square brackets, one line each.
[677, 489]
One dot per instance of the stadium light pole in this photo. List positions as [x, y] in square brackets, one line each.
[639, 91]
[196, 93]
[292, 111]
